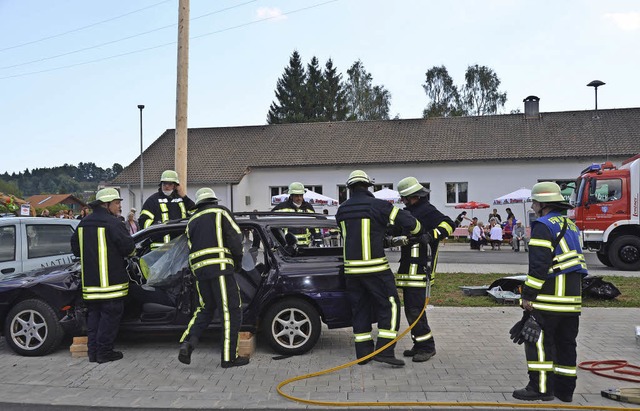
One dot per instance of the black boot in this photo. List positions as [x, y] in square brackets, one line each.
[238, 362]
[391, 360]
[110, 356]
[184, 356]
[410, 353]
[564, 397]
[422, 356]
[529, 394]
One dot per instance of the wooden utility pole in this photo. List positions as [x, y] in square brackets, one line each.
[182, 90]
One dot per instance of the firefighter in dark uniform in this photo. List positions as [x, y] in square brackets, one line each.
[418, 264]
[296, 204]
[102, 243]
[363, 220]
[169, 203]
[215, 244]
[552, 293]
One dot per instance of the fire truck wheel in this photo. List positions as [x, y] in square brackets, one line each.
[604, 259]
[624, 253]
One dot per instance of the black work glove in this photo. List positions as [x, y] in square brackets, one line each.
[515, 333]
[531, 330]
[398, 241]
[425, 239]
[460, 217]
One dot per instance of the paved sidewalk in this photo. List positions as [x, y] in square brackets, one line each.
[475, 361]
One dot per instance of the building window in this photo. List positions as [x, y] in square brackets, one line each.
[317, 189]
[457, 193]
[275, 191]
[378, 187]
[343, 193]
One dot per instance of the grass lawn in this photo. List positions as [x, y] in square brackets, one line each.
[447, 292]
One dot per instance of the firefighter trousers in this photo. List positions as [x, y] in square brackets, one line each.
[414, 299]
[103, 321]
[373, 295]
[551, 362]
[219, 292]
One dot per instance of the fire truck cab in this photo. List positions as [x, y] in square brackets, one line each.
[606, 212]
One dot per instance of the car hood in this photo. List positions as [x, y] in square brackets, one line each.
[64, 276]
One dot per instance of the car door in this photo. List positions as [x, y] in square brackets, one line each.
[10, 250]
[47, 245]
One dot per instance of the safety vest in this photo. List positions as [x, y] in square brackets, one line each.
[303, 235]
[161, 210]
[561, 290]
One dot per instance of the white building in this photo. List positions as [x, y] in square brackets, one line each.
[459, 158]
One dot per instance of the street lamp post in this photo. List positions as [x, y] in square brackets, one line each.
[595, 84]
[141, 107]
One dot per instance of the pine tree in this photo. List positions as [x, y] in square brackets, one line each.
[335, 104]
[290, 94]
[314, 96]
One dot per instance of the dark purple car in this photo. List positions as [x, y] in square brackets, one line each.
[287, 290]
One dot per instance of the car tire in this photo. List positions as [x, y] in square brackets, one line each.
[604, 259]
[292, 326]
[624, 253]
[32, 328]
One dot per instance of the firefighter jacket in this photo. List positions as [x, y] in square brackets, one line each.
[160, 208]
[415, 257]
[303, 235]
[102, 243]
[363, 220]
[554, 281]
[215, 241]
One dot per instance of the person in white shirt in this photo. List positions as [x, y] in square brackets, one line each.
[478, 239]
[496, 235]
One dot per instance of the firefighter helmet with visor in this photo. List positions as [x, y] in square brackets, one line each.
[359, 176]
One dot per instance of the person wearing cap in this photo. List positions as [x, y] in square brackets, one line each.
[297, 204]
[418, 264]
[169, 203]
[215, 245]
[552, 292]
[363, 220]
[102, 243]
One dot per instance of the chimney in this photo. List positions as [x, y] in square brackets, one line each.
[531, 107]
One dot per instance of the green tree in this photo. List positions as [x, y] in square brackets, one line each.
[8, 187]
[290, 94]
[314, 93]
[480, 93]
[444, 98]
[335, 103]
[365, 101]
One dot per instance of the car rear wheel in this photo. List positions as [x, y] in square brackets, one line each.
[292, 326]
[32, 328]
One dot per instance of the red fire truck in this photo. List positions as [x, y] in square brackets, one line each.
[606, 211]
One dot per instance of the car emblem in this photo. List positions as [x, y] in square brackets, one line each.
[605, 209]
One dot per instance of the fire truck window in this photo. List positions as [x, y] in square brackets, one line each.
[607, 190]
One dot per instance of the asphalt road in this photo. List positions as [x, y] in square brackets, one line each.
[457, 257]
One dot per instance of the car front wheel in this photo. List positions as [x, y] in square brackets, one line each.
[32, 328]
[292, 326]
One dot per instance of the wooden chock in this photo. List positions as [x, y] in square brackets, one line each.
[79, 347]
[246, 344]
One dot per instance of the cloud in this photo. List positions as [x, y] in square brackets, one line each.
[625, 21]
[272, 13]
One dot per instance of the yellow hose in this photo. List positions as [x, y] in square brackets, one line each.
[419, 403]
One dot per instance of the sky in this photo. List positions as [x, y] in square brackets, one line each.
[73, 72]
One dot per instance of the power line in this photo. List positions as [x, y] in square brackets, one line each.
[83, 28]
[121, 39]
[171, 43]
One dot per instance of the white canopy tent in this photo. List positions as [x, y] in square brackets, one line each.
[520, 196]
[387, 194]
[309, 196]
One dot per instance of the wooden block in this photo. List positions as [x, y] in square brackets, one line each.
[79, 354]
[80, 340]
[247, 344]
[78, 348]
